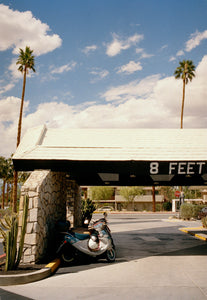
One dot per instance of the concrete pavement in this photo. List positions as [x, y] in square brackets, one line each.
[23, 278]
[154, 261]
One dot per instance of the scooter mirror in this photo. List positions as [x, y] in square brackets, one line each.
[105, 214]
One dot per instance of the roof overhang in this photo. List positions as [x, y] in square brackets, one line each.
[117, 156]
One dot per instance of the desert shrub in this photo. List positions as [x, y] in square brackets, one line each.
[158, 207]
[186, 211]
[204, 222]
[196, 209]
[167, 206]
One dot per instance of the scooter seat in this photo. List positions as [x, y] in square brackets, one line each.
[81, 236]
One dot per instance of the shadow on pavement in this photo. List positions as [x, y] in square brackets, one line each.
[138, 244]
[193, 251]
[5, 295]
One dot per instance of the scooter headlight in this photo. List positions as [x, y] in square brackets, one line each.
[93, 244]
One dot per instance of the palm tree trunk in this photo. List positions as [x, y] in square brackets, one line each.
[11, 193]
[18, 141]
[14, 206]
[3, 194]
[182, 109]
[21, 109]
[7, 193]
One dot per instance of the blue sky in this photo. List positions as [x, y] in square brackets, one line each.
[102, 64]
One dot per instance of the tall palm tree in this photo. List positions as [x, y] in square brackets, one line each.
[26, 63]
[186, 72]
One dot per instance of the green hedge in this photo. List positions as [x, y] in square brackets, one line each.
[188, 211]
[167, 206]
[204, 222]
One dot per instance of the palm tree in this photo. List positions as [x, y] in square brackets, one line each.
[9, 179]
[4, 168]
[184, 71]
[26, 62]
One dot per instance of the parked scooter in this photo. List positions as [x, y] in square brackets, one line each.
[98, 243]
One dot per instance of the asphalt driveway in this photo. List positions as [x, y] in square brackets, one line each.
[154, 261]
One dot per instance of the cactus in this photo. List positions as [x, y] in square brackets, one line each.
[10, 224]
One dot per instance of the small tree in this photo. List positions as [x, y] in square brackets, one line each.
[191, 194]
[168, 192]
[101, 192]
[129, 193]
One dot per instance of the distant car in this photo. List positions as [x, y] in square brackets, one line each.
[105, 208]
[202, 213]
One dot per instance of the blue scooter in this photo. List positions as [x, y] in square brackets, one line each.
[98, 243]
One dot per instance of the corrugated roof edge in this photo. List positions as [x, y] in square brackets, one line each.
[32, 138]
[42, 135]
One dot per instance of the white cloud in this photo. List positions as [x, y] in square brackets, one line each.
[163, 47]
[196, 39]
[64, 68]
[139, 50]
[130, 68]
[6, 88]
[143, 53]
[99, 74]
[172, 58]
[117, 45]
[180, 53]
[9, 114]
[89, 49]
[150, 103]
[135, 89]
[20, 29]
[146, 55]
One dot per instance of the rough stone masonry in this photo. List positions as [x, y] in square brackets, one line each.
[51, 195]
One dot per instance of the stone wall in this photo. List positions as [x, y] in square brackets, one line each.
[73, 202]
[47, 204]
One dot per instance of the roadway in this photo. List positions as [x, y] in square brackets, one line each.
[154, 261]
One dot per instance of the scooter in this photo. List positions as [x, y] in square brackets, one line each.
[98, 243]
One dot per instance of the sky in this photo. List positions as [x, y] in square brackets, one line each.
[102, 64]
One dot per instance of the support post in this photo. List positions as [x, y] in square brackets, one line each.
[153, 199]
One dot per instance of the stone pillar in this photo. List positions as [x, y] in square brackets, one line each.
[47, 204]
[48, 194]
[73, 203]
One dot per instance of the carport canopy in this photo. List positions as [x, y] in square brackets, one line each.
[117, 157]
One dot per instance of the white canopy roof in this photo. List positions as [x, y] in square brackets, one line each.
[117, 156]
[114, 144]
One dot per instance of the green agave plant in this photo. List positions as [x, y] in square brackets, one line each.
[9, 233]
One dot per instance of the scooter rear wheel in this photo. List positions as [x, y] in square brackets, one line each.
[110, 255]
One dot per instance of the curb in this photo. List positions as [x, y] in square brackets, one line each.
[16, 279]
[196, 232]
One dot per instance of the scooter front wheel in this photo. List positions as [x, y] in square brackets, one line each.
[110, 255]
[68, 254]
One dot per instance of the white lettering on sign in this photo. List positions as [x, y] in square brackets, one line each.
[180, 168]
[188, 168]
[172, 167]
[201, 164]
[154, 168]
